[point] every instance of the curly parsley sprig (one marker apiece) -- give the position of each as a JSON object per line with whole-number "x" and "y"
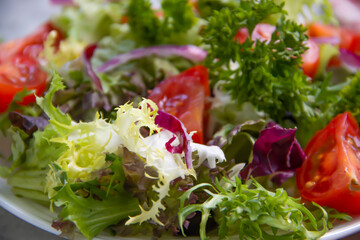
{"x": 266, "y": 74}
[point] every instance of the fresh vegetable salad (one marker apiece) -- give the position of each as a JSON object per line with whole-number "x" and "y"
{"x": 205, "y": 118}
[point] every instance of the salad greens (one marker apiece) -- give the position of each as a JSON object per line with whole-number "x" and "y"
{"x": 148, "y": 30}
{"x": 106, "y": 158}
{"x": 268, "y": 75}
{"x": 255, "y": 213}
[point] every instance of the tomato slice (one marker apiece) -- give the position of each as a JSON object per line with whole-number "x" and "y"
{"x": 30, "y": 45}
{"x": 19, "y": 67}
{"x": 16, "y": 74}
{"x": 311, "y": 59}
{"x": 241, "y": 35}
{"x": 184, "y": 96}
{"x": 330, "y": 174}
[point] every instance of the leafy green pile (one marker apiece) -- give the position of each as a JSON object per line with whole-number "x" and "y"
{"x": 147, "y": 29}
{"x": 105, "y": 163}
{"x": 268, "y": 74}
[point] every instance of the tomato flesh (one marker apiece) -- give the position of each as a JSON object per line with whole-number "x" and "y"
{"x": 311, "y": 59}
{"x": 241, "y": 35}
{"x": 184, "y": 96}
{"x": 330, "y": 174}
{"x": 30, "y": 45}
{"x": 19, "y": 67}
{"x": 15, "y": 75}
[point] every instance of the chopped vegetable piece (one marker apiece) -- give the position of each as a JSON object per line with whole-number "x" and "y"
{"x": 277, "y": 153}
{"x": 174, "y": 125}
{"x": 330, "y": 174}
{"x": 18, "y": 73}
{"x": 87, "y": 54}
{"x": 190, "y": 52}
{"x": 184, "y": 96}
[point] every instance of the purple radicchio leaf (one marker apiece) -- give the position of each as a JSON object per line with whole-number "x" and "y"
{"x": 349, "y": 59}
{"x": 136, "y": 173}
{"x": 327, "y": 40}
{"x": 347, "y": 13}
{"x": 276, "y": 152}
{"x": 66, "y": 227}
{"x": 28, "y": 124}
{"x": 174, "y": 125}
{"x": 95, "y": 100}
{"x": 87, "y": 55}
{"x": 62, "y": 2}
{"x": 190, "y": 52}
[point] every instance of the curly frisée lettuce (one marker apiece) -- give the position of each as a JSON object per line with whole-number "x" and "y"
{"x": 88, "y": 145}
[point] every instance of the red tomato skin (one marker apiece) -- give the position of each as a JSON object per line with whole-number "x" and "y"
{"x": 311, "y": 59}
{"x": 184, "y": 96}
{"x": 332, "y": 166}
{"x": 19, "y": 66}
{"x": 334, "y": 62}
{"x": 350, "y": 40}
{"x": 241, "y": 35}
{"x": 17, "y": 73}
{"x": 31, "y": 45}
{"x": 322, "y": 30}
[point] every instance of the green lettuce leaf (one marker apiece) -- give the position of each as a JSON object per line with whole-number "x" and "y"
{"x": 60, "y": 121}
{"x": 238, "y": 141}
{"x": 90, "y": 21}
{"x": 349, "y": 97}
{"x": 92, "y": 216}
{"x": 177, "y": 26}
{"x": 95, "y": 204}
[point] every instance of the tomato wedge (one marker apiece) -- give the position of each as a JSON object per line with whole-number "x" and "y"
{"x": 241, "y": 35}
{"x": 19, "y": 67}
{"x": 184, "y": 96}
{"x": 20, "y": 72}
{"x": 330, "y": 174}
{"x": 311, "y": 59}
{"x": 30, "y": 45}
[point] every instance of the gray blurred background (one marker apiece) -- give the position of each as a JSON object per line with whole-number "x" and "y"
{"x": 20, "y": 17}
